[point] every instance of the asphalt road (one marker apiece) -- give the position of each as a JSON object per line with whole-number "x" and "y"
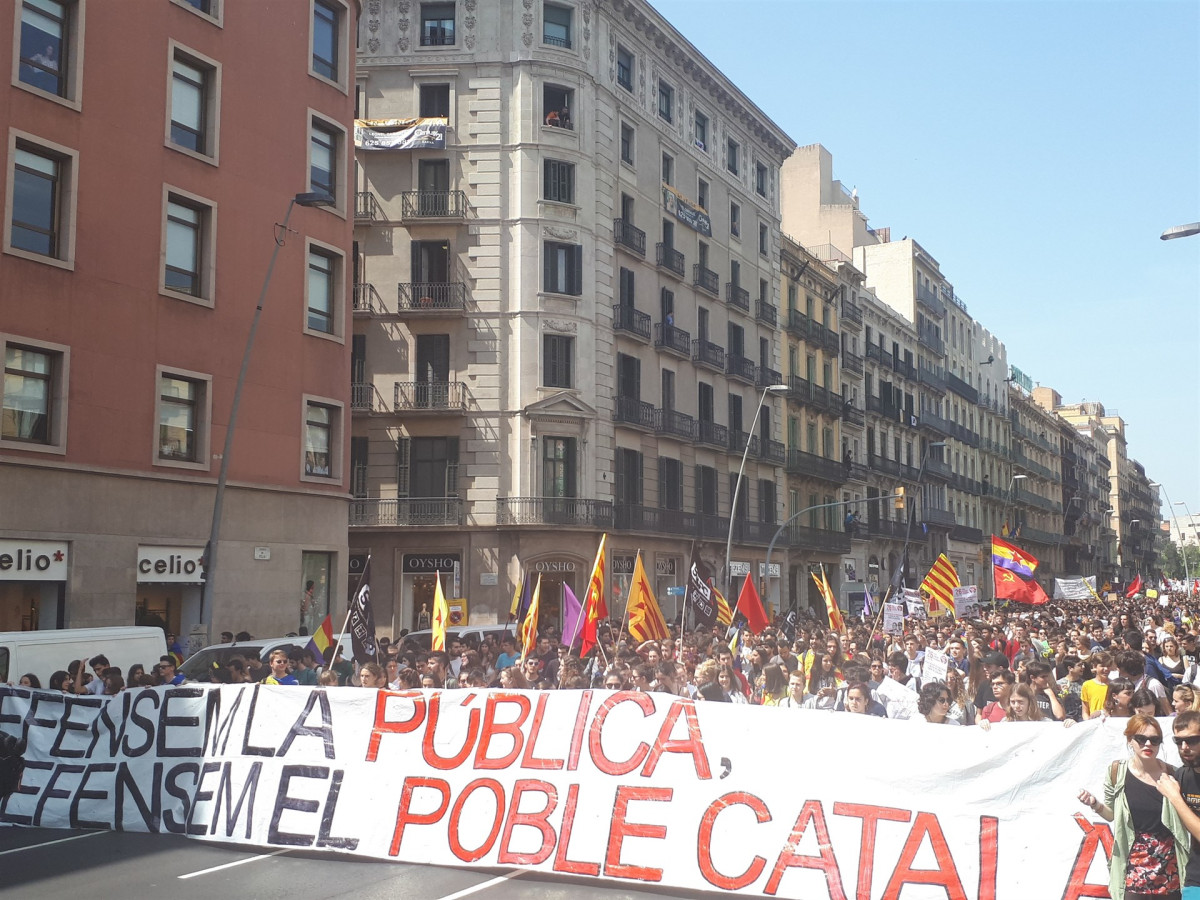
{"x": 52, "y": 864}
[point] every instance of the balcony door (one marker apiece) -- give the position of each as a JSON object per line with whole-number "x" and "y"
{"x": 433, "y": 371}
{"x": 433, "y": 182}
{"x": 430, "y": 271}
{"x": 559, "y": 483}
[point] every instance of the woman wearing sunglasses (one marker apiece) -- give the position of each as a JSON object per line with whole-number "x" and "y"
{"x": 1150, "y": 842}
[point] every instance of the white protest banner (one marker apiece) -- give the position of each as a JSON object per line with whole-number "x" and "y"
{"x": 893, "y": 618}
{"x": 623, "y": 787}
{"x": 1075, "y": 588}
{"x": 966, "y": 601}
{"x": 934, "y": 668}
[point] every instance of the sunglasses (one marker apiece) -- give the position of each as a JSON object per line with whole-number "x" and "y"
{"x": 1191, "y": 740}
{"x": 613, "y": 685}
{"x": 943, "y": 699}
{"x": 1143, "y": 739}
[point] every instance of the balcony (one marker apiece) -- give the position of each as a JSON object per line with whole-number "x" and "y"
{"x": 753, "y": 531}
{"x": 766, "y": 312}
{"x": 706, "y": 353}
{"x": 670, "y": 259}
{"x": 966, "y": 534}
{"x": 802, "y": 537}
{"x": 562, "y": 511}
{"x": 632, "y": 411}
{"x": 707, "y": 280}
{"x": 772, "y": 451}
{"x": 884, "y": 465}
{"x": 407, "y": 511}
{"x": 928, "y": 337}
{"x": 740, "y": 440}
{"x": 673, "y": 423}
{"x": 431, "y": 397}
{"x": 883, "y": 407}
{"x": 629, "y": 237}
{"x": 934, "y": 422}
{"x": 365, "y": 398}
{"x": 960, "y": 387}
{"x": 797, "y": 323}
{"x": 852, "y": 415}
{"x": 433, "y": 205}
{"x": 829, "y": 339}
{"x": 768, "y": 377}
{"x": 1023, "y": 497}
{"x": 675, "y": 340}
{"x": 935, "y": 468}
{"x": 931, "y": 301}
{"x": 852, "y": 315}
{"x": 1037, "y": 536}
{"x": 931, "y": 377}
{"x": 852, "y": 362}
{"x": 740, "y": 367}
{"x": 737, "y": 296}
{"x": 434, "y": 298}
{"x": 931, "y": 515}
{"x": 367, "y": 301}
{"x": 881, "y": 356}
{"x": 810, "y": 464}
{"x": 803, "y": 391}
{"x": 367, "y": 208}
{"x": 712, "y": 434}
{"x": 964, "y": 434}
{"x": 654, "y": 520}
{"x": 631, "y": 321}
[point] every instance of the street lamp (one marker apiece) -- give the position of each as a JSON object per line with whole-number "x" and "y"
{"x": 1183, "y": 540}
{"x": 308, "y": 198}
{"x": 899, "y": 583}
{"x": 737, "y": 486}
{"x": 1187, "y": 578}
{"x": 1180, "y": 231}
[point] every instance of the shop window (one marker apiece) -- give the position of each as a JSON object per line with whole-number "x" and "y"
{"x": 316, "y": 584}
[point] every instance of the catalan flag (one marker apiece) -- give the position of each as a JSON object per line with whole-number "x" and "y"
{"x": 1006, "y": 556}
{"x": 836, "y": 622}
{"x": 941, "y": 582}
{"x": 724, "y": 612}
{"x": 529, "y": 626}
{"x": 646, "y": 621}
{"x": 594, "y": 607}
{"x": 322, "y": 641}
{"x": 441, "y": 615}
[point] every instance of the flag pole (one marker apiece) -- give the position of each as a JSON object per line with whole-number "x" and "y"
{"x": 350, "y": 609}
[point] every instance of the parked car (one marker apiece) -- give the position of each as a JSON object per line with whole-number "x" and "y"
{"x": 424, "y": 637}
{"x": 200, "y": 665}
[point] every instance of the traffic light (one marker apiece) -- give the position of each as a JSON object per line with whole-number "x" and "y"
{"x": 900, "y": 498}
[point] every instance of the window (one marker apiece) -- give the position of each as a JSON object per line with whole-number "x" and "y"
{"x": 558, "y": 467}
{"x": 183, "y": 271}
{"x": 701, "y": 131}
{"x": 322, "y": 160}
{"x": 731, "y": 156}
{"x": 735, "y": 220}
{"x": 326, "y": 39}
{"x": 316, "y": 587}
{"x": 322, "y": 440}
{"x": 629, "y": 478}
{"x": 666, "y": 100}
{"x": 193, "y": 115}
{"x": 181, "y": 416}
{"x": 706, "y": 490}
{"x": 209, "y": 8}
{"x": 766, "y": 501}
{"x": 624, "y": 68}
{"x": 437, "y": 24}
{"x": 702, "y": 194}
{"x": 670, "y": 483}
{"x": 556, "y": 26}
{"x": 626, "y": 295}
{"x": 559, "y": 181}
{"x": 34, "y": 396}
{"x": 323, "y": 270}
{"x": 557, "y": 102}
{"x": 47, "y": 38}
{"x": 764, "y": 239}
{"x": 629, "y": 377}
{"x": 41, "y": 198}
{"x": 760, "y": 179}
{"x": 627, "y": 143}
{"x": 558, "y": 365}
{"x": 563, "y": 268}
{"x": 434, "y": 101}
{"x": 668, "y": 169}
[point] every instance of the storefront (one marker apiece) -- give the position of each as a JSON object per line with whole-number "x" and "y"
{"x": 33, "y": 584}
{"x": 418, "y": 578}
{"x": 169, "y": 585}
{"x": 556, "y": 572}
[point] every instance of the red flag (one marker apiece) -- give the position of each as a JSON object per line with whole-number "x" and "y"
{"x": 1135, "y": 586}
{"x": 1010, "y": 586}
{"x": 750, "y": 606}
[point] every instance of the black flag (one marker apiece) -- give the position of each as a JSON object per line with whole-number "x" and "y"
{"x": 699, "y": 591}
{"x": 362, "y": 621}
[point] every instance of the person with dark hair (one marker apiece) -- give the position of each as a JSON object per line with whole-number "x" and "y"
{"x": 774, "y": 685}
{"x": 823, "y": 683}
{"x": 30, "y": 680}
{"x": 1002, "y": 687}
{"x": 1150, "y": 845}
{"x": 1045, "y": 691}
{"x": 1143, "y": 703}
{"x": 370, "y": 675}
{"x": 1120, "y": 698}
{"x": 98, "y": 663}
{"x": 933, "y": 703}
{"x": 858, "y": 700}
{"x": 1132, "y": 665}
{"x": 61, "y": 681}
{"x": 1184, "y": 794}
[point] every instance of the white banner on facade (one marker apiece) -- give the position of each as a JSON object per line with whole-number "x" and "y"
{"x": 1075, "y": 588}
{"x": 966, "y": 601}
{"x": 624, "y": 787}
{"x": 400, "y": 134}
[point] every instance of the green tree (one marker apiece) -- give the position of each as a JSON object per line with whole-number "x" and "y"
{"x": 1173, "y": 560}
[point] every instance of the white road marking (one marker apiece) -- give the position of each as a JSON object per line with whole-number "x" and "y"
{"x": 240, "y": 862}
{"x": 73, "y": 837}
{"x": 481, "y": 886}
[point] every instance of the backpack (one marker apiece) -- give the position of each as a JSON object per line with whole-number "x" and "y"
{"x": 1155, "y": 669}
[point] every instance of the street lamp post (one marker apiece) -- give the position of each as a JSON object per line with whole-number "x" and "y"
{"x": 1180, "y": 231}
{"x": 1183, "y": 540}
{"x": 1170, "y": 508}
{"x": 311, "y": 198}
{"x": 737, "y": 486}
{"x": 899, "y": 583}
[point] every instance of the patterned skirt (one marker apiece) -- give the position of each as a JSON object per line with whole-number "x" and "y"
{"x": 1152, "y": 867}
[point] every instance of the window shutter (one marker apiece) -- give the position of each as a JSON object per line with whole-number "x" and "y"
{"x": 452, "y": 467}
{"x": 577, "y": 273}
{"x": 662, "y": 482}
{"x": 403, "y": 452}
{"x": 548, "y": 252}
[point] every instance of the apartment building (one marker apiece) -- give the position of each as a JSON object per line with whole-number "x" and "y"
{"x": 566, "y": 307}
{"x": 1036, "y": 512}
{"x": 141, "y": 195}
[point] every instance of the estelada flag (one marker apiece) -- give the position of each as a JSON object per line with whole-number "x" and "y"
{"x": 646, "y": 622}
{"x": 832, "y": 610}
{"x": 529, "y": 626}
{"x": 594, "y": 607}
{"x": 322, "y": 641}
{"x": 724, "y": 612}
{"x": 941, "y": 582}
{"x": 749, "y": 604}
{"x": 441, "y": 615}
{"x": 1006, "y": 556}
{"x": 1010, "y": 587}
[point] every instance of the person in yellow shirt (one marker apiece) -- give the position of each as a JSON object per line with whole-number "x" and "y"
{"x": 1094, "y": 692}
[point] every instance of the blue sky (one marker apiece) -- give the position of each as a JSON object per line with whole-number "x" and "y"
{"x": 1037, "y": 150}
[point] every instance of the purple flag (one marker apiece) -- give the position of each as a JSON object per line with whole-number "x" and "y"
{"x": 572, "y": 618}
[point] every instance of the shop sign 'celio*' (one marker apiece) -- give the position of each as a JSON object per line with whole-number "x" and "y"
{"x": 33, "y": 560}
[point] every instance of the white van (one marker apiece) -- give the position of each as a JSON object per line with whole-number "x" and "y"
{"x": 199, "y": 666}
{"x": 43, "y": 653}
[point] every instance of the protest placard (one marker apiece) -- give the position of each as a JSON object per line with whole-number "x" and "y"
{"x": 935, "y": 666}
{"x": 966, "y": 601}
{"x": 893, "y": 618}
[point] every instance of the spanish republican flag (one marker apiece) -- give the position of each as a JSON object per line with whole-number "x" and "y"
{"x": 528, "y": 632}
{"x": 1014, "y": 559}
{"x": 832, "y": 610}
{"x": 322, "y": 641}
{"x": 594, "y": 607}
{"x": 646, "y": 621}
{"x": 941, "y": 582}
{"x": 441, "y": 615}
{"x": 1010, "y": 587}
